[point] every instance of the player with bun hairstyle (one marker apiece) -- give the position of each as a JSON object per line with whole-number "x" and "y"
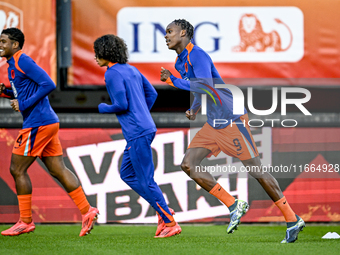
{"x": 199, "y": 76}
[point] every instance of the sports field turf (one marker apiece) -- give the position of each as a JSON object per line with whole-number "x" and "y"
{"x": 195, "y": 239}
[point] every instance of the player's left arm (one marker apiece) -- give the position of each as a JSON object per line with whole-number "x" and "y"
{"x": 149, "y": 91}
{"x": 40, "y": 77}
{"x": 201, "y": 64}
{"x": 5, "y": 92}
{"x": 196, "y": 105}
{"x": 116, "y": 89}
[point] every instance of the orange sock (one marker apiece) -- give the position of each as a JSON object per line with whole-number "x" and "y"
{"x": 171, "y": 224}
{"x": 287, "y": 212}
{"x": 80, "y": 200}
{"x": 25, "y": 208}
{"x": 218, "y": 192}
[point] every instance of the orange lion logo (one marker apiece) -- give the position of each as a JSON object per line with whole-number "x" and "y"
{"x": 254, "y": 39}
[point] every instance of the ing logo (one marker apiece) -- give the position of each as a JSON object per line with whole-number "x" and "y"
{"x": 10, "y": 16}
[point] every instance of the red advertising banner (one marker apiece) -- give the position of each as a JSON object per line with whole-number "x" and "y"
{"x": 36, "y": 18}
{"x": 304, "y": 161}
{"x": 262, "y": 39}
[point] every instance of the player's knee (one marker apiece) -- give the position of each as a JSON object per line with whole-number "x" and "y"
{"x": 186, "y": 166}
{"x": 15, "y": 171}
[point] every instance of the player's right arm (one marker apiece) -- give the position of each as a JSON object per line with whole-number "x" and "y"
{"x": 201, "y": 64}
{"x": 190, "y": 113}
{"x": 5, "y": 91}
{"x": 171, "y": 80}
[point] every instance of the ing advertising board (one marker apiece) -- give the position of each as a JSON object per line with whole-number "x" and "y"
{"x": 263, "y": 40}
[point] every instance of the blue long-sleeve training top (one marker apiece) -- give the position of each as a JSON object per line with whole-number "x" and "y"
{"x": 132, "y": 97}
{"x": 199, "y": 75}
{"x": 30, "y": 86}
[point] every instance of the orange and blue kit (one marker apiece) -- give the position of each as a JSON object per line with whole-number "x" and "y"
{"x": 40, "y": 142}
{"x": 132, "y": 97}
{"x": 30, "y": 86}
{"x": 199, "y": 75}
{"x": 235, "y": 140}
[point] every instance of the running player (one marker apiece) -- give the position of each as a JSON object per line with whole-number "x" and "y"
{"x": 39, "y": 136}
{"x": 235, "y": 140}
{"x": 132, "y": 97}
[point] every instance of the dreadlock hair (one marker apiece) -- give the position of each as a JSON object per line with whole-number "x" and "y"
{"x": 185, "y": 25}
{"x": 15, "y": 34}
{"x": 112, "y": 48}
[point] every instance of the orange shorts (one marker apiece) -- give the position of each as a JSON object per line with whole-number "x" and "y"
{"x": 234, "y": 140}
{"x": 40, "y": 142}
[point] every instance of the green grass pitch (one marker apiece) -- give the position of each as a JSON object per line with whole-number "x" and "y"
{"x": 195, "y": 239}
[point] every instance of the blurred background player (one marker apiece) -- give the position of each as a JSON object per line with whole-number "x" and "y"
{"x": 39, "y": 134}
{"x": 132, "y": 98}
{"x": 235, "y": 140}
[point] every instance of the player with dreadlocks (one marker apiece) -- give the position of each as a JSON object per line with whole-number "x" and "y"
{"x": 199, "y": 76}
